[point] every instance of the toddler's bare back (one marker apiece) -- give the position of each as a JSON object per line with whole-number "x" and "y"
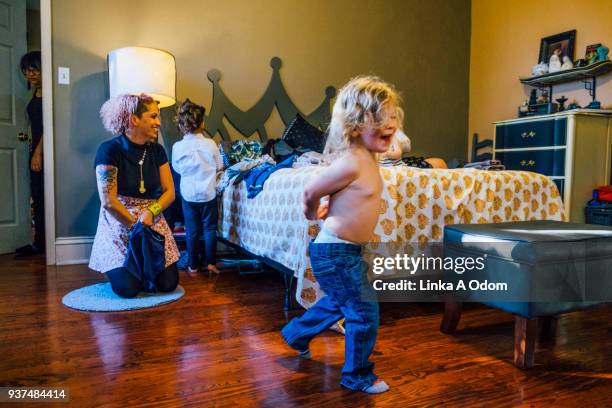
{"x": 354, "y": 210}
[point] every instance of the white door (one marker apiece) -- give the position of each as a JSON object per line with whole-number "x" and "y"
{"x": 15, "y": 224}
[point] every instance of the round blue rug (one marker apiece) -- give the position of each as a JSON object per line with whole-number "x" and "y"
{"x": 101, "y": 298}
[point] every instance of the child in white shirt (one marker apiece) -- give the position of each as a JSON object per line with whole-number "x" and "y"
{"x": 197, "y": 159}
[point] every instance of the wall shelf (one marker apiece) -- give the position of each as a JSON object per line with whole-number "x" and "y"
{"x": 588, "y": 75}
{"x": 568, "y": 75}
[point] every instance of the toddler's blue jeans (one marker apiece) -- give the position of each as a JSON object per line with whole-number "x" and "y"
{"x": 341, "y": 273}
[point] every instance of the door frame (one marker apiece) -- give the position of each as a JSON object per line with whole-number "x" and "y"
{"x": 48, "y": 139}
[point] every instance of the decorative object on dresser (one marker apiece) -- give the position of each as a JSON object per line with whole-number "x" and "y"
{"x": 561, "y": 101}
{"x": 573, "y": 148}
{"x": 596, "y": 53}
{"x": 533, "y": 97}
{"x": 553, "y": 48}
{"x": 523, "y": 109}
{"x": 602, "y": 53}
{"x": 567, "y": 63}
{"x": 590, "y": 54}
{"x": 580, "y": 63}
{"x": 554, "y": 64}
{"x": 540, "y": 69}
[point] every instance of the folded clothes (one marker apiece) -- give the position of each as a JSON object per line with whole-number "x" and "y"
{"x": 240, "y": 167}
{"x": 495, "y": 167}
{"x": 309, "y": 159}
{"x": 483, "y": 163}
{"x": 256, "y": 177}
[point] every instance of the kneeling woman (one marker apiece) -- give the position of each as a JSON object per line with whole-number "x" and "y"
{"x": 134, "y": 184}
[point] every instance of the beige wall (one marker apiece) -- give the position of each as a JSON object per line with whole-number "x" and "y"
{"x": 505, "y": 45}
{"x": 420, "y": 46}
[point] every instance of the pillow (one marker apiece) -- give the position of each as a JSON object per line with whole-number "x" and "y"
{"x": 301, "y": 134}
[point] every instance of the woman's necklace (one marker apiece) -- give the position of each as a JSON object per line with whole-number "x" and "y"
{"x": 142, "y": 188}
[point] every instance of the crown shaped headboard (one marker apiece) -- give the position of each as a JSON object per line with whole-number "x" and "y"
{"x": 254, "y": 119}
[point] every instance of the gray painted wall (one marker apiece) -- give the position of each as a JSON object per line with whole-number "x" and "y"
{"x": 420, "y": 46}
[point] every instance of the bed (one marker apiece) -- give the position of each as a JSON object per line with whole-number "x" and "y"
{"x": 416, "y": 203}
{"x": 415, "y": 206}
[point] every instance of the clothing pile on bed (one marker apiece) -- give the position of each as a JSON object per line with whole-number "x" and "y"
{"x": 300, "y": 145}
{"x": 486, "y": 165}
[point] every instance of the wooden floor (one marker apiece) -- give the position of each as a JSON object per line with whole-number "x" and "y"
{"x": 220, "y": 345}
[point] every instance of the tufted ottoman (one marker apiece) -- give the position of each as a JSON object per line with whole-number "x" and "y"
{"x": 548, "y": 268}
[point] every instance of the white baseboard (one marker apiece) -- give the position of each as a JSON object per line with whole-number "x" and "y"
{"x": 77, "y": 250}
{"x": 73, "y": 250}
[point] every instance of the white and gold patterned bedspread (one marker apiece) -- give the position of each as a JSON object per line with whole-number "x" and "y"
{"x": 416, "y": 205}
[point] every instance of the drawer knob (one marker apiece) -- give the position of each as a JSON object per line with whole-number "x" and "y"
{"x": 529, "y": 134}
{"x": 527, "y": 163}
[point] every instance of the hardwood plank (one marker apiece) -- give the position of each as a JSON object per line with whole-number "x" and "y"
{"x": 220, "y": 345}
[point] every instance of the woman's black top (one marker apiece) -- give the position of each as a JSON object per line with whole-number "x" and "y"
{"x": 123, "y": 154}
{"x": 35, "y": 113}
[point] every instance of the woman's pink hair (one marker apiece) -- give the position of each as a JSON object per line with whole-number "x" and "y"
{"x": 116, "y": 112}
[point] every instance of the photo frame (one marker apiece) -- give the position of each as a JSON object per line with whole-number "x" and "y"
{"x": 564, "y": 41}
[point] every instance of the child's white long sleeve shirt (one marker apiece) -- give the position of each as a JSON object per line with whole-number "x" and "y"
{"x": 197, "y": 160}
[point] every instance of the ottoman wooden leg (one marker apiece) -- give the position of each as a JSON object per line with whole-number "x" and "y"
{"x": 525, "y": 332}
{"x": 452, "y": 314}
{"x": 547, "y": 326}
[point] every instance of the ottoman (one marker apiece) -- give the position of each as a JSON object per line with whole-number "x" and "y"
{"x": 535, "y": 270}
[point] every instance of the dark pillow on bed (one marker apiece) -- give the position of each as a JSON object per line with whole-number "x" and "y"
{"x": 301, "y": 134}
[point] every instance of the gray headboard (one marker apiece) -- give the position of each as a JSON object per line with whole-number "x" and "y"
{"x": 254, "y": 119}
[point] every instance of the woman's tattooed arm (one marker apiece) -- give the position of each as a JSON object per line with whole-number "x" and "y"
{"x": 106, "y": 177}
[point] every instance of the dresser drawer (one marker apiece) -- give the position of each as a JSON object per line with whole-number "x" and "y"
{"x": 547, "y": 162}
{"x": 539, "y": 133}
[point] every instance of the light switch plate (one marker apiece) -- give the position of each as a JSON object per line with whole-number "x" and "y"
{"x": 63, "y": 76}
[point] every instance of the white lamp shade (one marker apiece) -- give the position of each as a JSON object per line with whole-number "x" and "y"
{"x": 136, "y": 70}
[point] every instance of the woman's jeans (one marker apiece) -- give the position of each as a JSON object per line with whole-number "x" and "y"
{"x": 342, "y": 274}
{"x": 201, "y": 218}
{"x": 125, "y": 285}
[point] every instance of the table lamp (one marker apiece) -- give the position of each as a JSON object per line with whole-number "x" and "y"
{"x": 136, "y": 70}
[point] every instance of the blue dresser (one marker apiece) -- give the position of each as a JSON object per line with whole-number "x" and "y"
{"x": 573, "y": 148}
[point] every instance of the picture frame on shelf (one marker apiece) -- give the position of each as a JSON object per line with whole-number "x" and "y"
{"x": 564, "y": 42}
